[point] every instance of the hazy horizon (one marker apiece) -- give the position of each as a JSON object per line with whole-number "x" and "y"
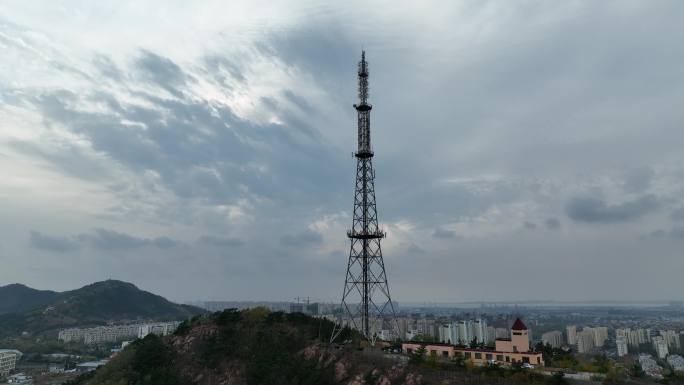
{"x": 202, "y": 150}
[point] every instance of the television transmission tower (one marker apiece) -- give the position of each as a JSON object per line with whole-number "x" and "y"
{"x": 366, "y": 302}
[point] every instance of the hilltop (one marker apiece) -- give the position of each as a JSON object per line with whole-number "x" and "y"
{"x": 258, "y": 347}
{"x": 18, "y": 298}
{"x": 38, "y": 311}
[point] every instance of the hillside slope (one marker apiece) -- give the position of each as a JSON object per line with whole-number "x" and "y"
{"x": 257, "y": 347}
{"x": 231, "y": 347}
{"x": 94, "y": 304}
{"x": 17, "y": 298}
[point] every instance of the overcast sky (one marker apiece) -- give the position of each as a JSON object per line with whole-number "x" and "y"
{"x": 202, "y": 150}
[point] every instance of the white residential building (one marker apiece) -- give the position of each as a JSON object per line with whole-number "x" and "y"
{"x": 599, "y": 333}
{"x": 634, "y": 337}
{"x": 446, "y": 333}
{"x": 160, "y": 329}
{"x": 621, "y": 342}
{"x": 660, "y": 346}
{"x": 480, "y": 329}
{"x": 8, "y": 360}
{"x": 412, "y": 334}
{"x": 585, "y": 341}
{"x": 571, "y": 332}
{"x": 114, "y": 333}
{"x": 465, "y": 332}
{"x": 672, "y": 339}
{"x": 553, "y": 338}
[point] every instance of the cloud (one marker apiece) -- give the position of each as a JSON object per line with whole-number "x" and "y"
{"x": 530, "y": 225}
{"x": 443, "y": 233}
{"x": 112, "y": 240}
{"x": 639, "y": 179}
{"x": 165, "y": 242}
{"x": 220, "y": 241}
{"x": 52, "y": 243}
{"x": 414, "y": 249}
{"x": 678, "y": 214}
{"x": 677, "y": 232}
{"x": 161, "y": 71}
{"x": 245, "y": 127}
{"x": 552, "y": 223}
{"x": 105, "y": 239}
{"x": 594, "y": 210}
{"x": 305, "y": 238}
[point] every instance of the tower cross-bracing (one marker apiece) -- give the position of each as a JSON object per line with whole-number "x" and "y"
{"x": 366, "y": 302}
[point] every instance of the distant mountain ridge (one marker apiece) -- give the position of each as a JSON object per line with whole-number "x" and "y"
{"x": 18, "y": 298}
{"x": 26, "y": 309}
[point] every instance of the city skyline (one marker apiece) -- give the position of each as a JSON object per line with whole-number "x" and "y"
{"x": 202, "y": 151}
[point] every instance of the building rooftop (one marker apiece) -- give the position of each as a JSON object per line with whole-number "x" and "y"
{"x": 518, "y": 325}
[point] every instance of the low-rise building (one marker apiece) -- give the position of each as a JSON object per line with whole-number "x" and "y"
{"x": 677, "y": 362}
{"x": 650, "y": 366}
{"x": 90, "y": 365}
{"x": 115, "y": 333}
{"x": 515, "y": 349}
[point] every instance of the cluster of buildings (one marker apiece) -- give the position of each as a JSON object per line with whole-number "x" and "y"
{"x": 588, "y": 339}
{"x": 585, "y": 340}
{"x": 467, "y": 332}
{"x": 114, "y": 333}
{"x": 457, "y": 332}
{"x": 507, "y": 350}
{"x": 663, "y": 342}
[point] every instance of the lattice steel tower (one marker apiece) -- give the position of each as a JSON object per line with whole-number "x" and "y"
{"x": 366, "y": 302}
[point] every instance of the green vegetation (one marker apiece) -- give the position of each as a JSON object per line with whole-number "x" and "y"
{"x": 268, "y": 343}
{"x": 91, "y": 305}
{"x": 17, "y": 298}
{"x": 149, "y": 361}
{"x": 268, "y": 346}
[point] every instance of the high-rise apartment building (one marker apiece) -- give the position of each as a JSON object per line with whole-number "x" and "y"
{"x": 600, "y": 335}
{"x": 571, "y": 332}
{"x": 660, "y": 346}
{"x": 480, "y": 330}
{"x": 634, "y": 337}
{"x": 553, "y": 338}
{"x": 585, "y": 341}
{"x": 672, "y": 339}
{"x": 621, "y": 343}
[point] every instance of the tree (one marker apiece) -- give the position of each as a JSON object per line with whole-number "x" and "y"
{"x": 615, "y": 376}
{"x": 418, "y": 356}
{"x": 602, "y": 363}
{"x": 636, "y": 371}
